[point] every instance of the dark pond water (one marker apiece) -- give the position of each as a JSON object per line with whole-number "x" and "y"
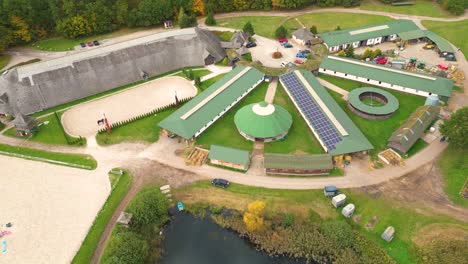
{"x": 194, "y": 240}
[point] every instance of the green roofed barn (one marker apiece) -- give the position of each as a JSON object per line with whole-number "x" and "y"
{"x": 263, "y": 121}
{"x": 198, "y": 114}
{"x": 229, "y": 157}
{"x": 298, "y": 164}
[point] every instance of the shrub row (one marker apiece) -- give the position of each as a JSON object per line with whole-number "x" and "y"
{"x": 139, "y": 117}
{"x": 70, "y": 141}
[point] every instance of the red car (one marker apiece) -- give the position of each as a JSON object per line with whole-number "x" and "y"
{"x": 298, "y": 61}
{"x": 381, "y": 60}
{"x": 281, "y": 40}
{"x": 90, "y": 44}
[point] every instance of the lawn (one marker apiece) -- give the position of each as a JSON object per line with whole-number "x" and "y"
{"x": 223, "y": 35}
{"x": 263, "y": 25}
{"x": 420, "y": 8}
{"x": 329, "y": 21}
{"x": 377, "y": 131}
{"x": 453, "y": 166}
{"x": 56, "y": 158}
{"x": 405, "y": 219}
{"x": 4, "y": 60}
{"x": 418, "y": 146}
{"x": 86, "y": 251}
{"x": 145, "y": 129}
{"x": 299, "y": 139}
{"x": 63, "y": 44}
{"x": 224, "y": 131}
{"x": 454, "y": 32}
{"x": 50, "y": 133}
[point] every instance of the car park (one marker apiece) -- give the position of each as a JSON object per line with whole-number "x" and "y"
{"x": 96, "y": 43}
{"x": 300, "y": 55}
{"x": 251, "y": 45}
{"x": 220, "y": 182}
{"x": 83, "y": 45}
{"x": 90, "y": 44}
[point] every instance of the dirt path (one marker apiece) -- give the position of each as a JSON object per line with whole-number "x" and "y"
{"x": 422, "y": 188}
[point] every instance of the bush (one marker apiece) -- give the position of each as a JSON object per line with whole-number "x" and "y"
{"x": 342, "y": 53}
{"x": 210, "y": 20}
{"x": 185, "y": 20}
{"x": 247, "y": 57}
{"x": 313, "y": 29}
{"x": 281, "y": 32}
{"x": 444, "y": 252}
{"x": 126, "y": 247}
{"x": 249, "y": 29}
{"x": 288, "y": 220}
{"x": 149, "y": 207}
{"x": 339, "y": 231}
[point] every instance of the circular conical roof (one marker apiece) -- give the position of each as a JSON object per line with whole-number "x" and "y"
{"x": 263, "y": 120}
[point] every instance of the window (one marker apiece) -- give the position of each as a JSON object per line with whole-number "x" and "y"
{"x": 324, "y": 70}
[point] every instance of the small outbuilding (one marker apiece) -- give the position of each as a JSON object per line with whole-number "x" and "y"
{"x": 25, "y": 125}
{"x": 348, "y": 210}
{"x": 298, "y": 164}
{"x": 330, "y": 191}
{"x": 229, "y": 157}
{"x": 304, "y": 37}
{"x": 263, "y": 122}
{"x": 388, "y": 234}
{"x": 338, "y": 200}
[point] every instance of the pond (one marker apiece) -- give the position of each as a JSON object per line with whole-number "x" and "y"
{"x": 200, "y": 240}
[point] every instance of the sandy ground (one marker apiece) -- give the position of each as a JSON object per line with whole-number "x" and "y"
{"x": 51, "y": 208}
{"x": 82, "y": 119}
{"x": 265, "y": 48}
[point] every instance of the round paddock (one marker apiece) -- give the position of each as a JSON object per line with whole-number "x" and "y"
{"x": 82, "y": 120}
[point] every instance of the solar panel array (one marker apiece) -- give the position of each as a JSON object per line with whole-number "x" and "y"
{"x": 311, "y": 110}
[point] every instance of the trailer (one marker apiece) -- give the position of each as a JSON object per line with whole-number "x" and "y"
{"x": 330, "y": 191}
{"x": 338, "y": 200}
{"x": 348, "y": 210}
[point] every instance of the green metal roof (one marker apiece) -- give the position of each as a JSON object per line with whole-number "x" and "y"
{"x": 442, "y": 44}
{"x": 263, "y": 126}
{"x": 298, "y": 161}
{"x": 437, "y": 85}
{"x": 188, "y": 127}
{"x": 413, "y": 34}
{"x": 351, "y": 35}
{"x": 390, "y": 107}
{"x": 231, "y": 155}
{"x": 355, "y": 141}
{"x": 413, "y": 128}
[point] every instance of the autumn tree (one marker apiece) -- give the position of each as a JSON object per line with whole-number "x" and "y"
{"x": 456, "y": 128}
{"x": 253, "y": 217}
{"x": 20, "y": 31}
{"x": 198, "y": 7}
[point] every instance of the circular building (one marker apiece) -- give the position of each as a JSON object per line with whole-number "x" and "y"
{"x": 263, "y": 121}
{"x": 372, "y": 103}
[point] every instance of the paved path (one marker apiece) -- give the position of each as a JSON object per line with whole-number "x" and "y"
{"x": 333, "y": 87}
{"x": 215, "y": 71}
{"x": 271, "y": 91}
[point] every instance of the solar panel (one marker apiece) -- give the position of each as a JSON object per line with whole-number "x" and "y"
{"x": 311, "y": 110}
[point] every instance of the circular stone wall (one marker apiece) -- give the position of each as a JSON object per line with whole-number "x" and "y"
{"x": 384, "y": 103}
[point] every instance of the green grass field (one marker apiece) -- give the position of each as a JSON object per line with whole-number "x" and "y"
{"x": 299, "y": 139}
{"x": 224, "y": 131}
{"x": 454, "y": 32}
{"x": 145, "y": 129}
{"x": 420, "y": 8}
{"x": 263, "y": 25}
{"x": 52, "y": 157}
{"x": 453, "y": 166}
{"x": 86, "y": 251}
{"x": 329, "y": 21}
{"x": 418, "y": 146}
{"x": 49, "y": 134}
{"x": 63, "y": 44}
{"x": 405, "y": 219}
{"x": 4, "y": 60}
{"x": 377, "y": 131}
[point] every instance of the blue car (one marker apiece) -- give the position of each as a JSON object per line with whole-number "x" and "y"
{"x": 300, "y": 55}
{"x": 287, "y": 45}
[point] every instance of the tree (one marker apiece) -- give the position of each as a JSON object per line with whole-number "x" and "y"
{"x": 149, "y": 207}
{"x": 74, "y": 27}
{"x": 377, "y": 53}
{"x": 367, "y": 54}
{"x": 249, "y": 29}
{"x": 126, "y": 247}
{"x": 455, "y": 7}
{"x": 185, "y": 21}
{"x": 349, "y": 51}
{"x": 281, "y": 32}
{"x": 337, "y": 28}
{"x": 253, "y": 217}
{"x": 210, "y": 20}
{"x": 313, "y": 29}
{"x": 456, "y": 128}
{"x": 198, "y": 7}
{"x": 20, "y": 31}
{"x": 121, "y": 12}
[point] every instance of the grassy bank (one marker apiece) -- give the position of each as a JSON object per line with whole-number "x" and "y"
{"x": 452, "y": 31}
{"x": 299, "y": 139}
{"x": 453, "y": 166}
{"x": 56, "y": 158}
{"x": 420, "y": 8}
{"x": 120, "y": 188}
{"x": 224, "y": 131}
{"x": 4, "y": 60}
{"x": 311, "y": 204}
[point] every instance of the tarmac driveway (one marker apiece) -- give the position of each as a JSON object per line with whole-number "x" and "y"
{"x": 265, "y": 48}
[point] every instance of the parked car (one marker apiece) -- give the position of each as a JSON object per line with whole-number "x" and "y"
{"x": 281, "y": 40}
{"x": 429, "y": 46}
{"x": 83, "y": 45}
{"x": 90, "y": 44}
{"x": 288, "y": 45}
{"x": 381, "y": 60}
{"x": 283, "y": 64}
{"x": 299, "y": 61}
{"x": 220, "y": 182}
{"x": 251, "y": 45}
{"x": 304, "y": 51}
{"x": 300, "y": 55}
{"x": 236, "y": 59}
{"x": 96, "y": 43}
